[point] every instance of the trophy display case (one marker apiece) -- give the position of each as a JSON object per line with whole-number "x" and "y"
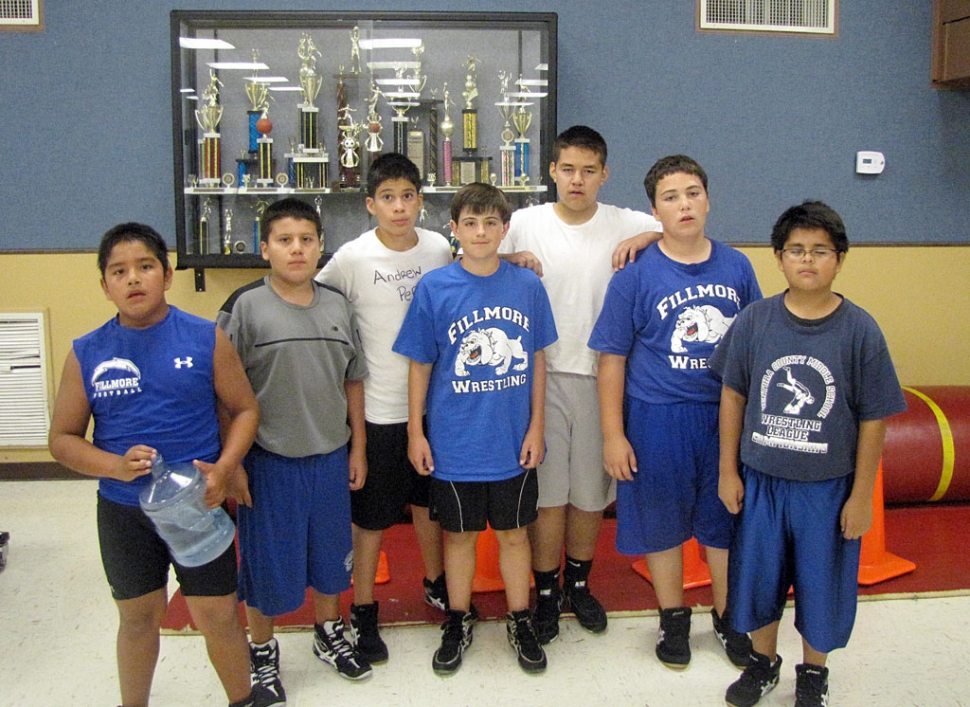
{"x": 273, "y": 104}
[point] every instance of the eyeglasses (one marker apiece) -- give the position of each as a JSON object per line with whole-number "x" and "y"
{"x": 816, "y": 253}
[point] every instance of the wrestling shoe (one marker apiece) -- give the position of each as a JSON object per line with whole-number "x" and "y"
{"x": 591, "y": 614}
{"x": 436, "y": 593}
{"x": 545, "y": 620}
{"x": 673, "y": 639}
{"x": 757, "y": 680}
{"x": 737, "y": 645}
{"x": 522, "y": 638}
{"x": 264, "y": 668}
{"x": 330, "y": 646}
{"x": 365, "y": 635}
{"x": 811, "y": 686}
{"x": 455, "y": 638}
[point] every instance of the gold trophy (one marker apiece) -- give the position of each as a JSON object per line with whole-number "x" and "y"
{"x": 310, "y": 159}
{"x": 208, "y": 117}
{"x": 258, "y": 94}
{"x": 469, "y": 115}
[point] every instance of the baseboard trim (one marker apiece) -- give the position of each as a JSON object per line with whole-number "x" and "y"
{"x": 36, "y": 471}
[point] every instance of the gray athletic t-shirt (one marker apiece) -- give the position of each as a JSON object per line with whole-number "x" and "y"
{"x": 297, "y": 359}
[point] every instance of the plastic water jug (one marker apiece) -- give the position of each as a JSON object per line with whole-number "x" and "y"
{"x": 175, "y": 501}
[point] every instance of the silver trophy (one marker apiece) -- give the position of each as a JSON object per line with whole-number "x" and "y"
{"x": 355, "y": 50}
{"x": 507, "y": 149}
{"x": 447, "y": 128}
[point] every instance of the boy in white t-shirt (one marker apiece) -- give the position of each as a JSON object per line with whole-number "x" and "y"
{"x": 575, "y": 244}
{"x": 378, "y": 272}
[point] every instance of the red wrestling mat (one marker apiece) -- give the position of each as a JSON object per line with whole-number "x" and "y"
{"x": 932, "y": 536}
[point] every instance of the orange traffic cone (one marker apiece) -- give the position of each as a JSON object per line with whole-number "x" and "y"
{"x": 383, "y": 573}
{"x": 488, "y": 575}
{"x": 696, "y": 571}
{"x": 875, "y": 563}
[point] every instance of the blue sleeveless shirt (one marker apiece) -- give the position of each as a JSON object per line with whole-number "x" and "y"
{"x": 151, "y": 386}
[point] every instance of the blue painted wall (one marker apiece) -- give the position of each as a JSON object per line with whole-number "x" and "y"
{"x": 86, "y": 143}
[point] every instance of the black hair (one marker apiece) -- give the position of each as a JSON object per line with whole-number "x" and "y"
{"x": 391, "y": 165}
{"x": 290, "y": 207}
{"x": 580, "y": 136}
{"x": 479, "y": 198}
{"x": 810, "y": 214}
{"x": 132, "y": 232}
{"x": 672, "y": 164}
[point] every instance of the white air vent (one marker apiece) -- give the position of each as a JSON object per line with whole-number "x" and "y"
{"x": 802, "y": 16}
{"x": 20, "y": 14}
{"x": 24, "y": 408}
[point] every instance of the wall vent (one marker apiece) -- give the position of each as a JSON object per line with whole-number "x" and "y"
{"x": 799, "y": 16}
{"x": 23, "y": 15}
{"x": 24, "y": 404}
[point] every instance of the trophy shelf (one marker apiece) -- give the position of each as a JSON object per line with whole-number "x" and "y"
{"x": 269, "y": 104}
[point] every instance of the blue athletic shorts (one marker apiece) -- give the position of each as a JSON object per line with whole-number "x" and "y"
{"x": 136, "y": 559}
{"x": 788, "y": 535}
{"x": 297, "y": 534}
{"x": 673, "y": 496}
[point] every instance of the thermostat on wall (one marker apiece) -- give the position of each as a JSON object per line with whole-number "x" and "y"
{"x": 869, "y": 162}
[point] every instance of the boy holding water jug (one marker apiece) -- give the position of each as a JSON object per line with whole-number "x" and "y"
{"x": 152, "y": 378}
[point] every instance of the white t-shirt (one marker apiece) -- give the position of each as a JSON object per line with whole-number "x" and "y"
{"x": 380, "y": 283}
{"x": 576, "y": 270}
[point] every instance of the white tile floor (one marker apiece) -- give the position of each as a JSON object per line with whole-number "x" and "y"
{"x": 57, "y": 625}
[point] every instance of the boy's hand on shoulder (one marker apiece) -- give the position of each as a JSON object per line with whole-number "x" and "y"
{"x": 626, "y": 251}
{"x": 730, "y": 489}
{"x": 525, "y": 259}
{"x": 136, "y": 462}
{"x": 856, "y": 518}
{"x": 619, "y": 459}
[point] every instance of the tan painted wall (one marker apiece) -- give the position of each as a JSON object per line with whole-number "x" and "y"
{"x": 919, "y": 296}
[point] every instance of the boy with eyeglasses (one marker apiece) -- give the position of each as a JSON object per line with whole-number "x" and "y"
{"x": 807, "y": 385}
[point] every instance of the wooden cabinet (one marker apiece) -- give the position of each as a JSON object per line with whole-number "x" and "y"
{"x": 951, "y": 44}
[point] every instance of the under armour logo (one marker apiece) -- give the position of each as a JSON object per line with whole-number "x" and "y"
{"x": 187, "y": 362}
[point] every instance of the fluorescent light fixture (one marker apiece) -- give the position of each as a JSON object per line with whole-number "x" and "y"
{"x": 542, "y": 67}
{"x": 204, "y": 43}
{"x": 238, "y": 65}
{"x": 401, "y": 43}
{"x": 191, "y": 98}
{"x": 402, "y": 94}
{"x": 393, "y": 65}
{"x": 527, "y": 94}
{"x": 285, "y": 88}
{"x": 186, "y": 90}
{"x": 266, "y": 79}
{"x": 397, "y": 82}
{"x": 532, "y": 82}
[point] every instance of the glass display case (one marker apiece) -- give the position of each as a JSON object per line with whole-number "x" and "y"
{"x": 273, "y": 104}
